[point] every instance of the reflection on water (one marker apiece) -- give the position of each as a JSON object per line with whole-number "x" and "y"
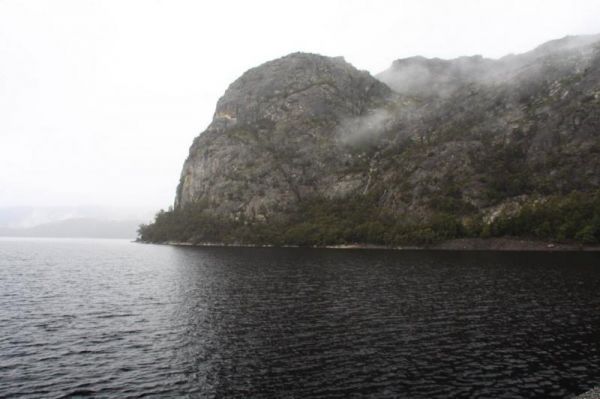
{"x": 110, "y": 318}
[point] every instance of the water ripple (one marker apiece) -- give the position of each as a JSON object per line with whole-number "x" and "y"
{"x": 104, "y": 318}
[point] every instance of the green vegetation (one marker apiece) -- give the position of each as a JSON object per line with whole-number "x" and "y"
{"x": 320, "y": 222}
{"x": 315, "y": 222}
{"x": 575, "y": 216}
{"x": 507, "y": 172}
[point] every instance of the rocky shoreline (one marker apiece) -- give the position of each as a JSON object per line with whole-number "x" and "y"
{"x": 511, "y": 244}
{"x": 460, "y": 244}
{"x": 592, "y": 394}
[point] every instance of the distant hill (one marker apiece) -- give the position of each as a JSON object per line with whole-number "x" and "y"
{"x": 77, "y": 228}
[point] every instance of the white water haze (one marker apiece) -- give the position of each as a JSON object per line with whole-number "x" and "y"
{"x": 100, "y": 101}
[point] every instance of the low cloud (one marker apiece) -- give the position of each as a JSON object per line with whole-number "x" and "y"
{"x": 363, "y": 129}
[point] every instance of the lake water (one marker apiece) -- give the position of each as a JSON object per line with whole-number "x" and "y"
{"x": 110, "y": 318}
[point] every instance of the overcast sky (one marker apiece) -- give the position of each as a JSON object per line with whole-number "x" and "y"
{"x": 100, "y": 100}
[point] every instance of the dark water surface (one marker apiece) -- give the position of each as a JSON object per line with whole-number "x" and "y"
{"x": 109, "y": 318}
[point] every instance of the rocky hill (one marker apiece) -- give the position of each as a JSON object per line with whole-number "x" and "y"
{"x": 306, "y": 149}
{"x": 274, "y": 138}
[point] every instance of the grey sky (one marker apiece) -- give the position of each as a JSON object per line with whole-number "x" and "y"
{"x": 100, "y": 100}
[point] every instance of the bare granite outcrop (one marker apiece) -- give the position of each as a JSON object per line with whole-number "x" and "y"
{"x": 470, "y": 135}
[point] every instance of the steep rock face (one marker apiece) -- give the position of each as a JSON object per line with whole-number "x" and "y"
{"x": 273, "y": 138}
{"x": 460, "y": 136}
{"x": 522, "y": 125}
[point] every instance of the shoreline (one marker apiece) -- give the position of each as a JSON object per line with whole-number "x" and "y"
{"x": 458, "y": 244}
{"x": 591, "y": 394}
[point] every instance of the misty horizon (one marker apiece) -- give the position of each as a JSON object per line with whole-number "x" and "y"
{"x": 105, "y": 118}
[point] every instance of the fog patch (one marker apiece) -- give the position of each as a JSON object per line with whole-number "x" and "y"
{"x": 366, "y": 128}
{"x": 435, "y": 77}
{"x": 406, "y": 78}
